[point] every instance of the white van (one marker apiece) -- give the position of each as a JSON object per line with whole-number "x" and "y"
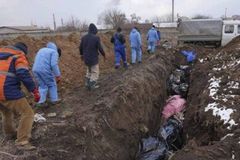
{"x": 231, "y": 29}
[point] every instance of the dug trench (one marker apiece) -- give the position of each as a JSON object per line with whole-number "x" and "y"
{"x": 108, "y": 123}
{"x": 104, "y": 124}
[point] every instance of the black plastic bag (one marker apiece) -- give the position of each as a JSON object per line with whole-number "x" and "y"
{"x": 172, "y": 133}
{"x": 177, "y": 89}
{"x": 152, "y": 148}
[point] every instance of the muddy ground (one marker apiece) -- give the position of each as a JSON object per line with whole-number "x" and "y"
{"x": 107, "y": 124}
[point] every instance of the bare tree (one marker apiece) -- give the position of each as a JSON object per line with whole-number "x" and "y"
{"x": 200, "y": 16}
{"x": 147, "y": 21}
{"x": 112, "y": 18}
{"x": 134, "y": 18}
{"x": 74, "y": 24}
{"x": 164, "y": 18}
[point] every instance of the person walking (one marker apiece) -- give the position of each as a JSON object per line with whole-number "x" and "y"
{"x": 136, "y": 44}
{"x": 152, "y": 38}
{"x": 89, "y": 49}
{"x": 159, "y": 37}
{"x": 47, "y": 73}
{"x": 14, "y": 70}
{"x": 118, "y": 40}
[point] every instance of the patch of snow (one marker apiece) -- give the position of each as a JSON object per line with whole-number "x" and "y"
{"x": 217, "y": 69}
{"x": 233, "y": 155}
{"x": 234, "y": 63}
{"x": 233, "y": 85}
{"x": 230, "y": 96}
{"x": 211, "y": 105}
{"x": 225, "y": 99}
{"x": 238, "y": 62}
{"x": 217, "y": 56}
{"x": 224, "y": 67}
{"x": 209, "y": 74}
{"x": 201, "y": 60}
{"x": 214, "y": 85}
{"x": 228, "y": 135}
{"x": 223, "y": 112}
{"x": 232, "y": 123}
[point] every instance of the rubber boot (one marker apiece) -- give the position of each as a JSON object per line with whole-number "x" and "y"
{"x": 87, "y": 81}
{"x": 125, "y": 65}
{"x": 116, "y": 67}
{"x": 25, "y": 146}
{"x": 92, "y": 85}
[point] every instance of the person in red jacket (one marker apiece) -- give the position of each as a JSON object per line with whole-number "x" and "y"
{"x": 14, "y": 70}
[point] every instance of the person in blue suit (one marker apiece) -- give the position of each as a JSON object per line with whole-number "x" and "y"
{"x": 118, "y": 40}
{"x": 190, "y": 55}
{"x": 136, "y": 44}
{"x": 152, "y": 38}
{"x": 47, "y": 73}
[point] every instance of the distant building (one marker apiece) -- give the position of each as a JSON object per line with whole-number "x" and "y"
{"x": 166, "y": 25}
{"x": 236, "y": 17}
{"x": 4, "y": 30}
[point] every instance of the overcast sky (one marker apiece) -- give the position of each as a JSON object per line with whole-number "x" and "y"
{"x": 23, "y": 12}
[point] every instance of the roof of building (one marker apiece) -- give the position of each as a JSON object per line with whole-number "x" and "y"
{"x": 166, "y": 25}
{"x": 24, "y": 28}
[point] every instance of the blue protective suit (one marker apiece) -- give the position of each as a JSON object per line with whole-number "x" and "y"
{"x": 159, "y": 35}
{"x": 45, "y": 69}
{"x": 190, "y": 55}
{"x": 135, "y": 43}
{"x": 119, "y": 49}
{"x": 152, "y": 38}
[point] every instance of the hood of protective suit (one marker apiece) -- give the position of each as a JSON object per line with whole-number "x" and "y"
{"x": 52, "y": 46}
{"x": 134, "y": 30}
{"x": 92, "y": 29}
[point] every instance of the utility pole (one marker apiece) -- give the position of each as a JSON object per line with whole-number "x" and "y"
{"x": 62, "y": 21}
{"x": 73, "y": 22}
{"x": 225, "y": 13}
{"x": 54, "y": 23}
{"x": 172, "y": 10}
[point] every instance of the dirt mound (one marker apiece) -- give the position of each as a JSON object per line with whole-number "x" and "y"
{"x": 106, "y": 123}
{"x": 212, "y": 119}
{"x": 71, "y": 66}
{"x": 233, "y": 44}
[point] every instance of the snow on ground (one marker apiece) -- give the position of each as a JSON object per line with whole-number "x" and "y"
{"x": 217, "y": 69}
{"x": 233, "y": 85}
{"x": 228, "y": 135}
{"x": 201, "y": 60}
{"x": 218, "y": 109}
{"x": 223, "y": 112}
{"x": 214, "y": 85}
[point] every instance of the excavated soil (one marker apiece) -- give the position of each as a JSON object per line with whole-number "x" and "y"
{"x": 103, "y": 124}
{"x": 107, "y": 124}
